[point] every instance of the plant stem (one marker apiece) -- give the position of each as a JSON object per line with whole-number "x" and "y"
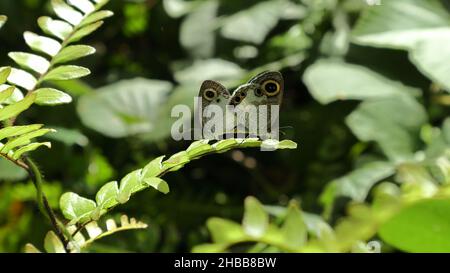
{"x": 44, "y": 206}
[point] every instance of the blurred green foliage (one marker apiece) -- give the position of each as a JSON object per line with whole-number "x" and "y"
{"x": 366, "y": 97}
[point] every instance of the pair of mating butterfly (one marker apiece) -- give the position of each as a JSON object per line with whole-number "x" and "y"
{"x": 265, "y": 89}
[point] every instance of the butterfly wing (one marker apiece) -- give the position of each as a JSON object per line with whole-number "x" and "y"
{"x": 266, "y": 88}
{"x": 212, "y": 93}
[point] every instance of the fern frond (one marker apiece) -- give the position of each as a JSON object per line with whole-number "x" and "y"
{"x": 48, "y": 61}
{"x": 80, "y": 210}
{"x": 93, "y": 233}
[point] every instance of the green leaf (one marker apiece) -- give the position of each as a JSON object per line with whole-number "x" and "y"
{"x": 42, "y": 44}
{"x": 294, "y": 228}
{"x": 431, "y": 57}
{"x": 14, "y": 97}
{"x": 22, "y": 78}
{"x": 85, "y": 31}
{"x": 29, "y": 148}
{"x": 6, "y": 94}
{"x": 50, "y": 96}
{"x": 4, "y": 74}
{"x": 66, "y": 72}
{"x": 224, "y": 231}
{"x": 75, "y": 207}
{"x": 256, "y": 219}
{"x": 195, "y": 35}
{"x": 394, "y": 123}
{"x": 52, "y": 244}
{"x": 154, "y": 168}
{"x": 177, "y": 8}
{"x": 402, "y": 23}
{"x": 157, "y": 183}
{"x": 198, "y": 148}
{"x": 31, "y": 61}
{"x": 13, "y": 131}
{"x": 214, "y": 69}
{"x": 130, "y": 184}
{"x": 96, "y": 16}
{"x": 357, "y": 184}
{"x": 417, "y": 26}
{"x": 422, "y": 227}
{"x": 24, "y": 139}
{"x": 253, "y": 25}
{"x": 176, "y": 161}
{"x": 57, "y": 28}
{"x": 71, "y": 53}
{"x": 106, "y": 196}
{"x": 85, "y": 6}
{"x": 17, "y": 108}
{"x": 68, "y": 136}
{"x": 128, "y": 107}
{"x": 29, "y": 248}
{"x": 66, "y": 12}
{"x": 3, "y": 20}
{"x": 329, "y": 81}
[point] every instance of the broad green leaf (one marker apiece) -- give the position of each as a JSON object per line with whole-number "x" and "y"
{"x": 394, "y": 123}
{"x": 357, "y": 184}
{"x": 329, "y": 81}
{"x": 74, "y": 52}
{"x": 52, "y": 244}
{"x": 431, "y": 57}
{"x": 422, "y": 227}
{"x": 13, "y": 131}
{"x": 42, "y": 44}
{"x": 50, "y": 96}
{"x": 225, "y": 231}
{"x": 256, "y": 219}
{"x": 154, "y": 168}
{"x": 66, "y": 12}
{"x": 57, "y": 28}
{"x": 85, "y": 31}
{"x": 414, "y": 25}
{"x": 31, "y": 61}
{"x": 68, "y": 136}
{"x": 96, "y": 16}
{"x": 10, "y": 171}
{"x": 130, "y": 184}
{"x": 6, "y": 94}
{"x": 3, "y": 20}
{"x": 29, "y": 148}
{"x": 24, "y": 139}
{"x": 294, "y": 228}
{"x": 66, "y": 72}
{"x": 85, "y": 6}
{"x": 402, "y": 23}
{"x": 196, "y": 36}
{"x": 22, "y": 78}
{"x": 106, "y": 196}
{"x": 213, "y": 69}
{"x": 4, "y": 74}
{"x": 75, "y": 207}
{"x": 17, "y": 108}
{"x": 157, "y": 183}
{"x": 209, "y": 248}
{"x": 177, "y": 8}
{"x": 128, "y": 107}
{"x": 253, "y": 25}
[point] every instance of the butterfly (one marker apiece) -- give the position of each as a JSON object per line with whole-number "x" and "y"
{"x": 266, "y": 89}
